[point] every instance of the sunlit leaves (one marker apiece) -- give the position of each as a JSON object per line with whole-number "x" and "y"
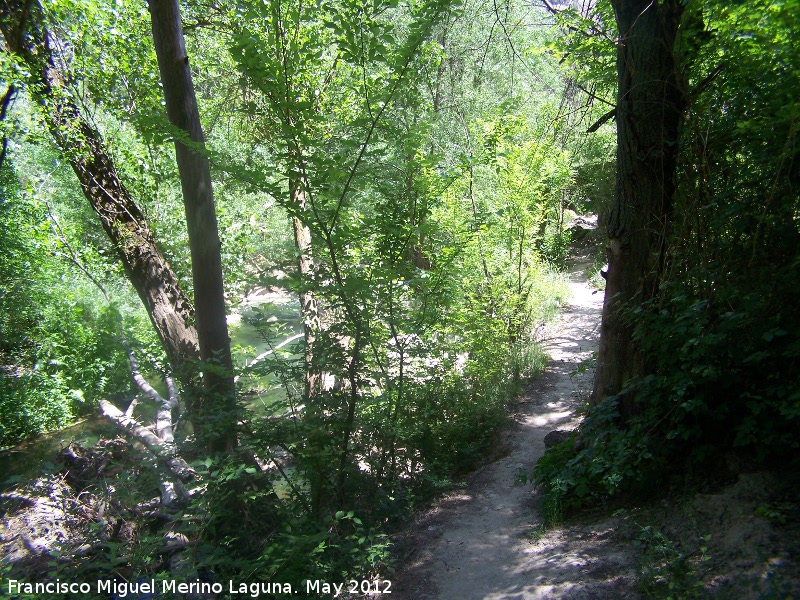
{"x": 588, "y": 46}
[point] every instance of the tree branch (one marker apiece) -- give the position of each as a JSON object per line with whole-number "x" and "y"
{"x": 264, "y": 355}
{"x": 701, "y": 87}
{"x": 161, "y": 449}
{"x": 4, "y": 104}
{"x": 602, "y": 120}
{"x": 594, "y": 96}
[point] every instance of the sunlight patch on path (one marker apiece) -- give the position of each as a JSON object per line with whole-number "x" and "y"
{"x": 490, "y": 545}
{"x": 549, "y": 418}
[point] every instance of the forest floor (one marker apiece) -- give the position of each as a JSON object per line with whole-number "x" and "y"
{"x": 488, "y": 540}
{"x": 736, "y": 539}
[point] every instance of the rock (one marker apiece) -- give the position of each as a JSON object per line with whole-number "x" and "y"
{"x": 556, "y": 437}
{"x": 579, "y": 233}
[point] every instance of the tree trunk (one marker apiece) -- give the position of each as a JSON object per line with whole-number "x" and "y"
{"x": 168, "y": 307}
{"x": 219, "y": 404}
{"x": 649, "y": 106}
{"x": 309, "y": 310}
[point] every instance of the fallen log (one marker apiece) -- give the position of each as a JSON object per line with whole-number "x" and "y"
{"x": 163, "y": 450}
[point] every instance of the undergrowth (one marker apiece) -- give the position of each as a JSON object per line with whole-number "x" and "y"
{"x": 668, "y": 571}
{"x": 290, "y": 518}
{"x": 720, "y": 381}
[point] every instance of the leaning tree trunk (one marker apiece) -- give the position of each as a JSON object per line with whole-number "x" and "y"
{"x": 169, "y": 308}
{"x": 219, "y": 405}
{"x": 649, "y": 106}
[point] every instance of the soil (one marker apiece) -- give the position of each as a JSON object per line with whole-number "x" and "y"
{"x": 488, "y": 541}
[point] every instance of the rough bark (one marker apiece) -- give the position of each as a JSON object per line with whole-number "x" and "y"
{"x": 219, "y": 402}
{"x": 168, "y": 307}
{"x": 4, "y": 104}
{"x": 649, "y": 106}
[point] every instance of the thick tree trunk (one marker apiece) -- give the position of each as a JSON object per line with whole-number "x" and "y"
{"x": 168, "y": 307}
{"x": 219, "y": 403}
{"x": 649, "y": 106}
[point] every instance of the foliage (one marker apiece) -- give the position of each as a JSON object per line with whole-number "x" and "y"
{"x": 420, "y": 313}
{"x": 586, "y": 52}
{"x": 720, "y": 341}
{"x": 588, "y": 44}
{"x": 59, "y": 351}
{"x": 667, "y": 570}
{"x": 434, "y": 177}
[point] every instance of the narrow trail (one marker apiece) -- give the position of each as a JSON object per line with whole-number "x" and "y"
{"x": 485, "y": 542}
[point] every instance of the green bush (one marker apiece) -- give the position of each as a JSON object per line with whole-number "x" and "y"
{"x": 554, "y": 246}
{"x": 60, "y": 348}
{"x": 74, "y": 359}
{"x": 719, "y": 382}
{"x": 32, "y": 403}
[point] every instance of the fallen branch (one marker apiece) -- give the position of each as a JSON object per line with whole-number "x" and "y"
{"x": 264, "y": 355}
{"x": 143, "y": 384}
{"x": 163, "y": 450}
{"x": 164, "y": 423}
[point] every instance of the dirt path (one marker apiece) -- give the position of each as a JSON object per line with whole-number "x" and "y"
{"x": 486, "y": 542}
